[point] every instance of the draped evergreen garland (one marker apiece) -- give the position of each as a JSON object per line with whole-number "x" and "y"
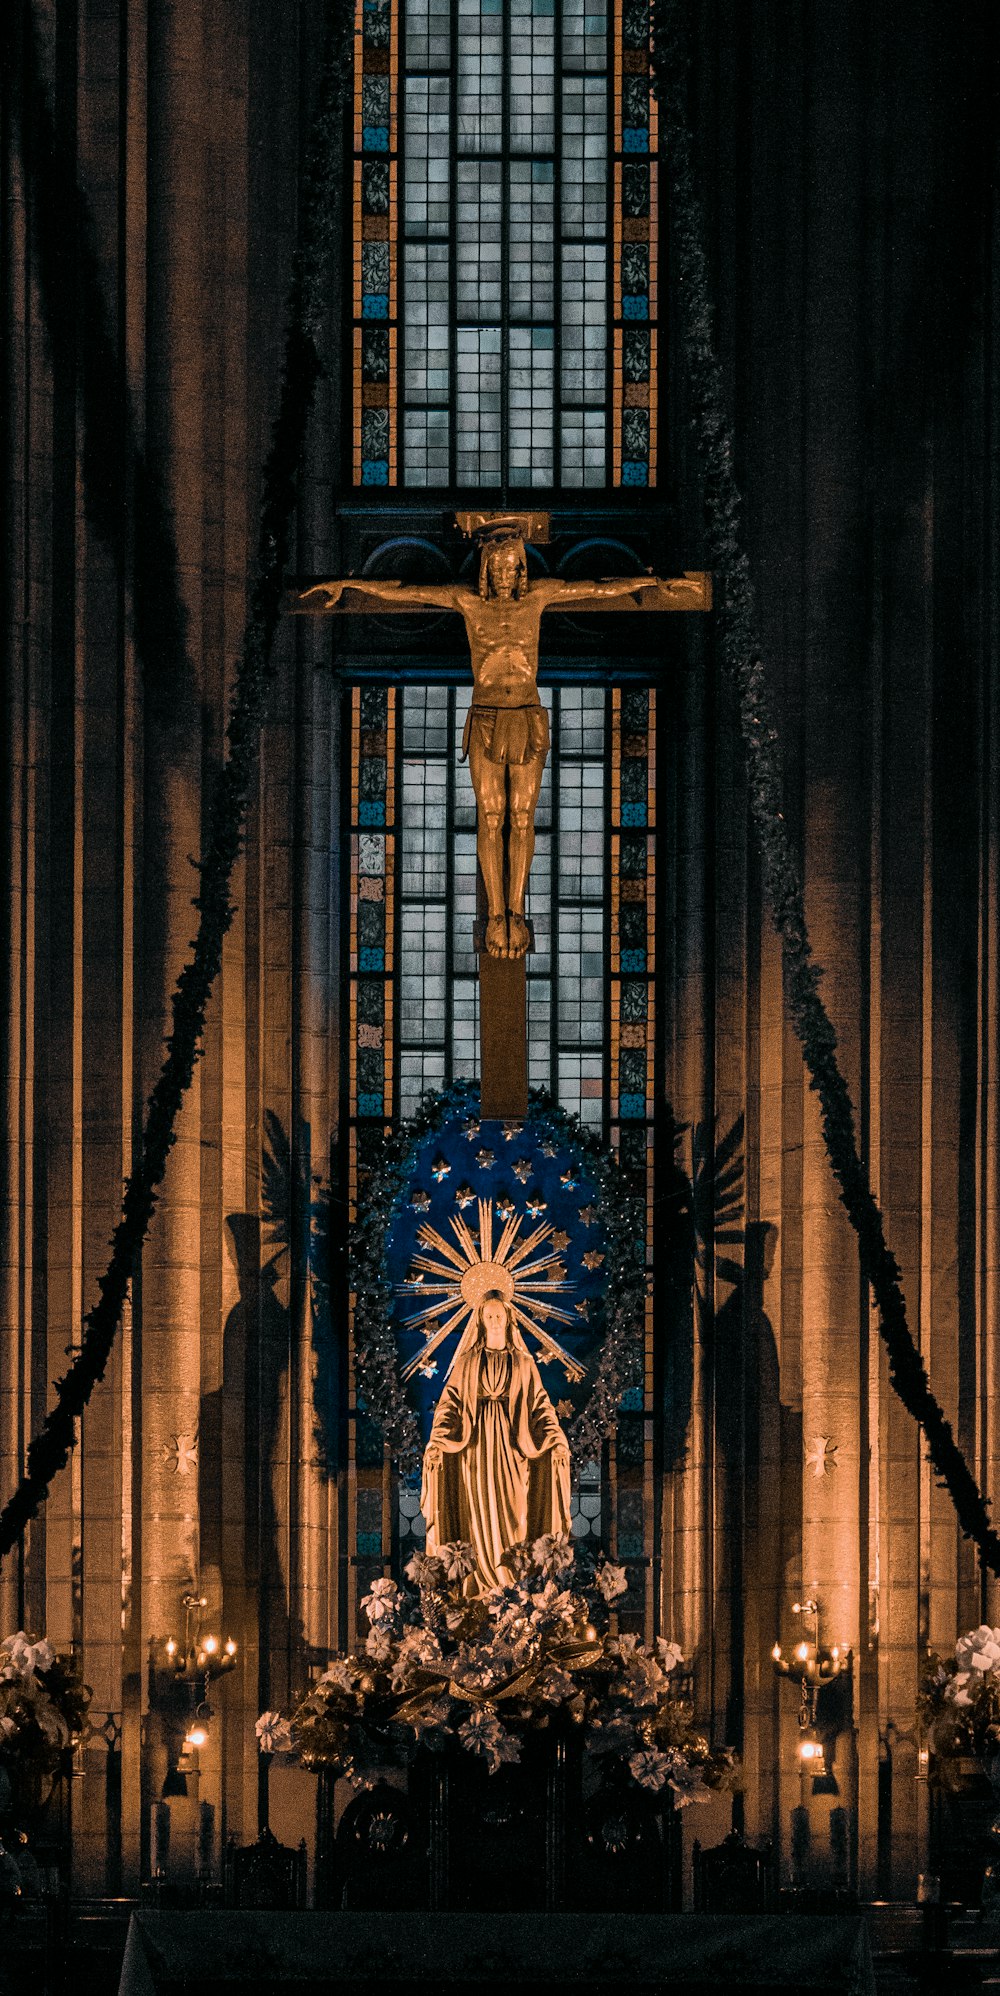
{"x": 740, "y": 648}
{"x": 306, "y": 309}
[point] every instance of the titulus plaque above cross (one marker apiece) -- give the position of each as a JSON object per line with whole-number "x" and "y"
{"x": 506, "y": 741}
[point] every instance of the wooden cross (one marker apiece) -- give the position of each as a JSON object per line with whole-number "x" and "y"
{"x": 506, "y": 740}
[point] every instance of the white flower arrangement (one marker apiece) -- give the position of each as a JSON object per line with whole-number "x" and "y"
{"x": 43, "y": 1705}
{"x": 960, "y": 1697}
{"x": 488, "y": 1671}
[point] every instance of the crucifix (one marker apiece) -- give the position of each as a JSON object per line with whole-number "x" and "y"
{"x": 506, "y": 741}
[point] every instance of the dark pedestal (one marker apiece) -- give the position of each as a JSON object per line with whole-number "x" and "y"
{"x": 527, "y": 1838}
{"x": 962, "y": 1807}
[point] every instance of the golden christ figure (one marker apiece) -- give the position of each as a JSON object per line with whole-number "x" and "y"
{"x": 507, "y": 730}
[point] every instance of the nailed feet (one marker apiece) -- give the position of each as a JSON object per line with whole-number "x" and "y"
{"x": 507, "y": 935}
{"x": 518, "y": 938}
{"x": 496, "y": 935}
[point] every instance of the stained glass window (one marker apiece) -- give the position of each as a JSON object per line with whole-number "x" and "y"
{"x": 438, "y": 976}
{"x": 505, "y": 245}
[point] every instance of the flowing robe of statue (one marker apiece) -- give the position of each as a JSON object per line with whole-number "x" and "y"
{"x": 496, "y": 1468}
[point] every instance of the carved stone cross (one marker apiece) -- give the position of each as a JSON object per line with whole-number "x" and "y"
{"x": 507, "y": 740}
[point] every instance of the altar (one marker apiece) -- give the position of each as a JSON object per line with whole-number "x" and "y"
{"x": 608, "y": 1955}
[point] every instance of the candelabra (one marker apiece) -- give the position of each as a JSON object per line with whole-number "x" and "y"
{"x": 201, "y": 1656}
{"x": 813, "y": 1664}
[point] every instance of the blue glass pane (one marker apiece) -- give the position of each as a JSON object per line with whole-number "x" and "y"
{"x": 375, "y": 472}
{"x": 635, "y": 138}
{"x": 633, "y": 814}
{"x": 633, "y": 960}
{"x": 370, "y": 1105}
{"x": 632, "y": 1105}
{"x": 375, "y": 138}
{"x": 635, "y": 472}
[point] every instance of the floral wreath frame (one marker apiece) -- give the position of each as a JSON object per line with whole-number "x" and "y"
{"x": 619, "y": 1315}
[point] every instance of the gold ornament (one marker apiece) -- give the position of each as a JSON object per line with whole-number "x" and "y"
{"x": 457, "y": 1276}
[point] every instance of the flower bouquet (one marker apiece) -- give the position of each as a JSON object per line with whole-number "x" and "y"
{"x": 959, "y": 1713}
{"x": 43, "y": 1710}
{"x": 488, "y": 1671}
{"x": 959, "y": 1701}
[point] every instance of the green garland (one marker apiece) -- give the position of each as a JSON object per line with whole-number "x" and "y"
{"x": 307, "y": 303}
{"x": 765, "y": 771}
{"x": 384, "y": 1176}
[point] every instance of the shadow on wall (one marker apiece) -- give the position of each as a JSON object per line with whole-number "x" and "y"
{"x": 705, "y": 1249}
{"x": 702, "y": 1243}
{"x": 297, "y": 1219}
{"x": 245, "y": 1426}
{"x": 241, "y": 1431}
{"x": 699, "y": 1213}
{"x": 754, "y": 1428}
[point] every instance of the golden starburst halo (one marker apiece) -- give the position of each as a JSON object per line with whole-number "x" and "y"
{"x": 454, "y": 1276}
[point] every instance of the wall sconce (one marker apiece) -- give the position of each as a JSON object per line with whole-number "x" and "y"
{"x": 203, "y": 1654}
{"x": 193, "y": 1661}
{"x": 810, "y": 1661}
{"x": 811, "y": 1664}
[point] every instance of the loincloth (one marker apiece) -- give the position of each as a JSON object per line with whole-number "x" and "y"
{"x": 507, "y": 734}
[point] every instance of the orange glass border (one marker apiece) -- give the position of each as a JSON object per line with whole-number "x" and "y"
{"x": 358, "y": 233}
{"x": 618, "y": 1478}
{"x": 369, "y": 1478}
{"x": 618, "y": 378}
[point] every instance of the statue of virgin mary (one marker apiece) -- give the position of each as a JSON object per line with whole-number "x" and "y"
{"x": 496, "y": 1465}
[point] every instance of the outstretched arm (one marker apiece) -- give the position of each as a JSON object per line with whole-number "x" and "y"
{"x": 325, "y": 596}
{"x": 555, "y": 593}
